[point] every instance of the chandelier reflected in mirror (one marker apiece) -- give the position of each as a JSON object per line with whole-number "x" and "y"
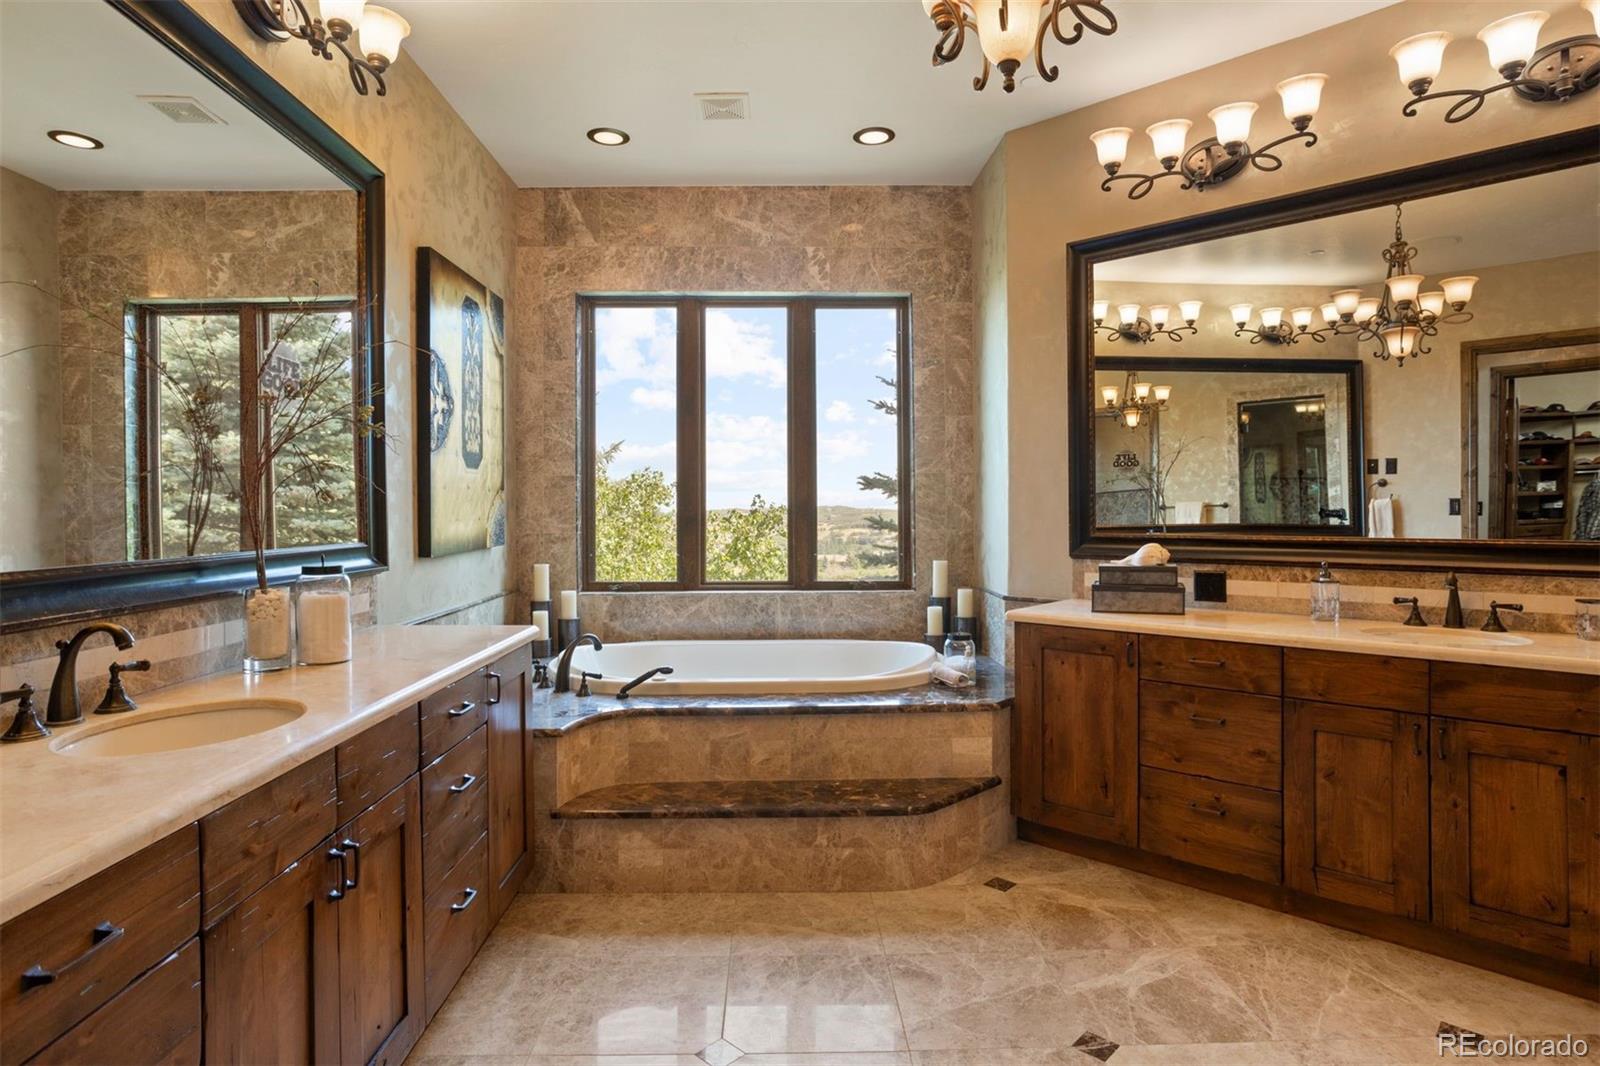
{"x": 1008, "y": 31}
{"x": 1135, "y": 401}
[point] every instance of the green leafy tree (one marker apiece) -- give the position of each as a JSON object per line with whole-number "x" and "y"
{"x": 635, "y": 523}
{"x": 748, "y": 544}
{"x": 885, "y": 552}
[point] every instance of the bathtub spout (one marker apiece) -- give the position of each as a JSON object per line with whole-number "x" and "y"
{"x": 564, "y": 665}
{"x": 622, "y": 693}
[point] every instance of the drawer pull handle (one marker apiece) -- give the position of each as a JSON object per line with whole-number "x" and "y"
{"x": 471, "y": 894}
{"x": 37, "y": 976}
{"x": 343, "y": 880}
{"x": 1200, "y": 719}
{"x": 1416, "y": 739}
{"x": 1218, "y": 663}
{"x": 467, "y": 707}
{"x": 499, "y": 689}
{"x": 1218, "y": 812}
{"x": 354, "y": 848}
{"x": 467, "y": 781}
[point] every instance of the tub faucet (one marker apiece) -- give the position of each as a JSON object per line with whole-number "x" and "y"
{"x": 622, "y": 693}
{"x": 1452, "y": 609}
{"x": 564, "y": 664}
{"x": 63, "y": 707}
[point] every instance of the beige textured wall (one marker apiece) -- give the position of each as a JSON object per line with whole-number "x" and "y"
{"x": 1052, "y": 199}
{"x": 990, "y": 334}
{"x": 771, "y": 239}
{"x": 30, "y": 376}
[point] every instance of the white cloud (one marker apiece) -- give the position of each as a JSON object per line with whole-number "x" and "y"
{"x": 846, "y": 445}
{"x": 654, "y": 399}
{"x": 632, "y": 456}
{"x": 840, "y": 411}
{"x": 737, "y": 347}
{"x": 888, "y": 357}
{"x": 635, "y": 344}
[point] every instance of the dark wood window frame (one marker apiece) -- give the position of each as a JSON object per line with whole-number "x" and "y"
{"x": 802, "y": 434}
{"x": 255, "y": 317}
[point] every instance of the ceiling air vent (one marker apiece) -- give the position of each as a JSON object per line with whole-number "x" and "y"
{"x": 184, "y": 110}
{"x": 719, "y": 107}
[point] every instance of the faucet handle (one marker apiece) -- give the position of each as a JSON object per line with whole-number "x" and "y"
{"x": 583, "y": 682}
{"x": 1415, "y": 617}
{"x": 1492, "y": 624}
{"x": 116, "y": 700}
{"x": 26, "y": 724}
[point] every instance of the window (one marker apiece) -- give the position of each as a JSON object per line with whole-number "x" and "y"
{"x": 746, "y": 442}
{"x": 194, "y": 430}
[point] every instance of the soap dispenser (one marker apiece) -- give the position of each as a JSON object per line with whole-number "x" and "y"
{"x": 1324, "y": 596}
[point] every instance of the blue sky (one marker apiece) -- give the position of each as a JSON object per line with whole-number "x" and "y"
{"x": 746, "y": 398}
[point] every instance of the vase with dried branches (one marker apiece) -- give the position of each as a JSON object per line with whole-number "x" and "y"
{"x": 1154, "y": 479}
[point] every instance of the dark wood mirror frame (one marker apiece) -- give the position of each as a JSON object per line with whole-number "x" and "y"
{"x": 33, "y": 598}
{"x": 1573, "y": 148}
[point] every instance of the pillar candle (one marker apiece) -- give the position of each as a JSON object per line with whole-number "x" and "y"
{"x": 569, "y": 604}
{"x": 941, "y": 579}
{"x": 935, "y": 620}
{"x": 541, "y": 622}
{"x": 541, "y": 581}
{"x": 963, "y": 603}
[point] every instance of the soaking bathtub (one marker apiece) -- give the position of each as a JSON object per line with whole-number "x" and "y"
{"x": 757, "y": 667}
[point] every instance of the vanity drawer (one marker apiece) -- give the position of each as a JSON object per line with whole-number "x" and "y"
{"x": 455, "y": 922}
{"x": 1231, "y": 736}
{"x": 257, "y": 836}
{"x": 67, "y": 956}
{"x": 154, "y": 1020}
{"x": 376, "y": 762}
{"x": 455, "y": 805}
{"x": 1212, "y": 663}
{"x": 1539, "y": 699}
{"x": 451, "y": 714}
{"x": 1233, "y": 828}
{"x": 1379, "y": 681}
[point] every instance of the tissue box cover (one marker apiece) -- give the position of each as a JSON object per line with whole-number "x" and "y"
{"x": 1148, "y": 599}
{"x": 1122, "y": 577}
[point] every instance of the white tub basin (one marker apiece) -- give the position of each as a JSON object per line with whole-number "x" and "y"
{"x": 175, "y": 728}
{"x": 1445, "y": 638}
{"x": 757, "y": 667}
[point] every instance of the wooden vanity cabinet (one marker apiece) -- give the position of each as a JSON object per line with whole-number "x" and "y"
{"x": 510, "y": 764}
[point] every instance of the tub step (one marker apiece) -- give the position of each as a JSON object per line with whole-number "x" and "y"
{"x": 859, "y": 798}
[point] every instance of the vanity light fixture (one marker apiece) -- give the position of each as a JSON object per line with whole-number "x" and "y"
{"x": 1131, "y": 327}
{"x": 610, "y": 138}
{"x": 1136, "y": 401}
{"x": 1215, "y": 159}
{"x": 1552, "y": 74}
{"x": 340, "y": 23}
{"x": 873, "y": 135}
{"x": 76, "y": 140}
{"x": 1008, "y": 30}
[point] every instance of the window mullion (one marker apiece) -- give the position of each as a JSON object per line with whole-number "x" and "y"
{"x": 802, "y": 444}
{"x": 691, "y": 444}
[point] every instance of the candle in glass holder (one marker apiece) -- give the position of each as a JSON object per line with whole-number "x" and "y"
{"x": 541, "y": 622}
{"x": 935, "y": 620}
{"x": 541, "y": 581}
{"x": 941, "y": 580}
{"x": 964, "y": 603}
{"x": 569, "y": 604}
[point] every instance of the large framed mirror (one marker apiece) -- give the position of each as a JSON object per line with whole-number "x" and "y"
{"x": 191, "y": 261}
{"x": 1400, "y": 371}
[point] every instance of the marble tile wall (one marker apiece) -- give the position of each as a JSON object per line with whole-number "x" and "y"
{"x": 782, "y": 239}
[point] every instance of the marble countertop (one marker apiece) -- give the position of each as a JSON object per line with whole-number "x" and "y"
{"x": 64, "y": 818}
{"x": 1561, "y": 652}
{"x": 555, "y": 714}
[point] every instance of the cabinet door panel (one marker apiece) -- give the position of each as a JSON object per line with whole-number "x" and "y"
{"x": 1515, "y": 835}
{"x": 1356, "y": 806}
{"x": 382, "y": 1009}
{"x": 510, "y": 770}
{"x": 1078, "y": 731}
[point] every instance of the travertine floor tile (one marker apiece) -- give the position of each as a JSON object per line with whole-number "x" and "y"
{"x": 1065, "y": 917}
{"x": 805, "y": 923}
{"x": 835, "y": 1058}
{"x": 1154, "y": 996}
{"x": 636, "y": 1004}
{"x": 957, "y": 919}
{"x": 812, "y": 1003}
{"x": 586, "y": 924}
{"x": 972, "y": 1001}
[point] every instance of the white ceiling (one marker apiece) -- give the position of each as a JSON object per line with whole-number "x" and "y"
{"x": 82, "y": 66}
{"x": 531, "y": 77}
{"x": 1541, "y": 217}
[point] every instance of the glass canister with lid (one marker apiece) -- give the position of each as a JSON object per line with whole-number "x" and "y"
{"x": 1324, "y": 596}
{"x": 322, "y": 614}
{"x": 961, "y": 656}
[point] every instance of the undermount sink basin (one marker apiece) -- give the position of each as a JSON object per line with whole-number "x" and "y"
{"x": 1446, "y": 638}
{"x": 177, "y": 728}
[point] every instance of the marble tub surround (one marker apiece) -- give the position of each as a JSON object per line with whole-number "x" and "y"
{"x": 1011, "y": 963}
{"x": 1560, "y": 652}
{"x": 858, "y": 798}
{"x": 64, "y": 818}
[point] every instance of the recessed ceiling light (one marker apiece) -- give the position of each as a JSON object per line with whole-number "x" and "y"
{"x": 607, "y": 136}
{"x": 873, "y": 135}
{"x": 75, "y": 140}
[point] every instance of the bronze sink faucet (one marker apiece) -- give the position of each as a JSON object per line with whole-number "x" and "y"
{"x": 63, "y": 707}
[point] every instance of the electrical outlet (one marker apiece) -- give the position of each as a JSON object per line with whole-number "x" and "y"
{"x": 1211, "y": 586}
{"x": 1372, "y": 466}
{"x": 1455, "y": 505}
{"x": 1391, "y": 465}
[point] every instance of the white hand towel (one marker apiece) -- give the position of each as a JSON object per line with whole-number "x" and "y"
{"x": 1380, "y": 516}
{"x": 1189, "y": 513}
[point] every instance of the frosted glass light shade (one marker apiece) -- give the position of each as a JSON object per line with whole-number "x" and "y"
{"x": 1158, "y": 315}
{"x": 1111, "y": 145}
{"x": 1403, "y": 288}
{"x": 1301, "y": 317}
{"x": 1419, "y": 58}
{"x": 1108, "y": 393}
{"x": 1367, "y": 308}
{"x": 1346, "y": 300}
{"x": 1302, "y": 95}
{"x": 1271, "y": 318}
{"x": 1100, "y": 307}
{"x": 382, "y": 31}
{"x": 1162, "y": 393}
{"x": 1240, "y": 313}
{"x": 1458, "y": 290}
{"x": 1233, "y": 121}
{"x": 1169, "y": 137}
{"x": 1015, "y": 41}
{"x": 1330, "y": 313}
{"x": 1190, "y": 309}
{"x": 348, "y": 11}
{"x": 1401, "y": 341}
{"x": 1141, "y": 390}
{"x": 1432, "y": 302}
{"x": 1129, "y": 313}
{"x": 1130, "y": 418}
{"x": 1511, "y": 40}
{"x": 1593, "y": 8}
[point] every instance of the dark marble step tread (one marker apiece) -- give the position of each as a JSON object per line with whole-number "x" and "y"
{"x": 861, "y": 798}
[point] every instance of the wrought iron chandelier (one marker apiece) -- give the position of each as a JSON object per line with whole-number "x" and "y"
{"x": 380, "y": 32}
{"x": 1132, "y": 327}
{"x": 1135, "y": 401}
{"x": 1008, "y": 30}
{"x": 1399, "y": 320}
